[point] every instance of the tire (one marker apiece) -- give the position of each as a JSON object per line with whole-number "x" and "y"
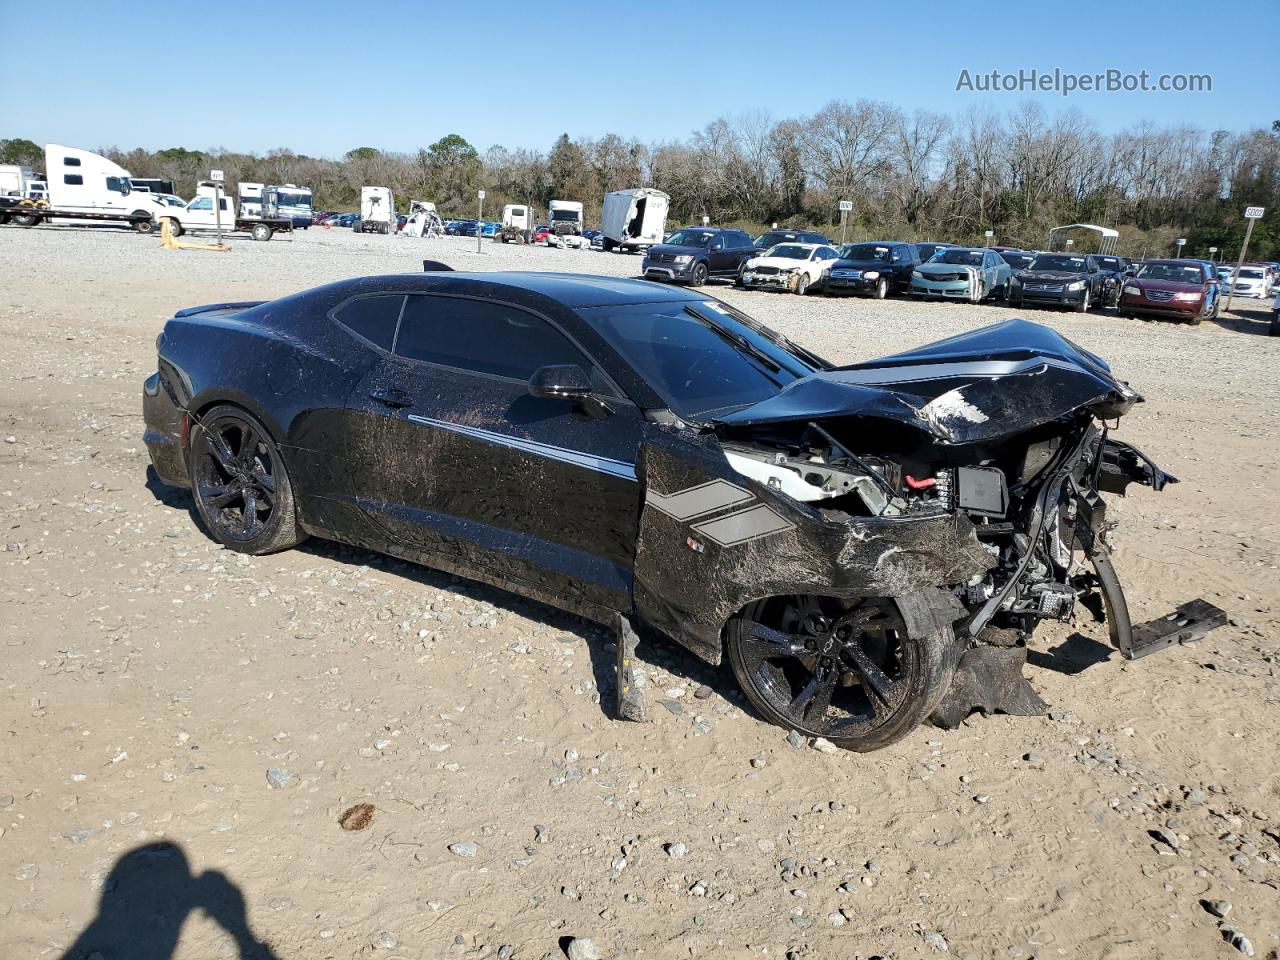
{"x": 802, "y": 284}
{"x": 25, "y": 219}
{"x": 699, "y": 276}
{"x": 1015, "y": 302}
{"x": 145, "y": 227}
{"x": 175, "y": 228}
{"x": 260, "y": 231}
{"x": 737, "y": 277}
{"x": 914, "y": 674}
{"x": 236, "y": 473}
{"x": 1274, "y": 330}
{"x": 882, "y": 289}
{"x": 1083, "y": 305}
{"x": 1194, "y": 321}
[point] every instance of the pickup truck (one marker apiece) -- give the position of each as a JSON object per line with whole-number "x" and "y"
{"x": 199, "y": 215}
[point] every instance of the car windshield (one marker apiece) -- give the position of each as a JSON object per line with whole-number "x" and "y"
{"x": 789, "y": 251}
{"x": 293, "y": 198}
{"x": 927, "y": 250}
{"x": 972, "y": 258}
{"x": 1172, "y": 272}
{"x": 565, "y": 215}
{"x": 1249, "y": 273}
{"x": 1059, "y": 262}
{"x": 1109, "y": 263}
{"x": 866, "y": 252}
{"x": 700, "y": 357}
{"x": 690, "y": 238}
{"x": 1019, "y": 261}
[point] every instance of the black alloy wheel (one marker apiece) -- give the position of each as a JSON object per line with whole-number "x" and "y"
{"x": 843, "y": 670}
{"x": 241, "y": 488}
{"x": 699, "y": 276}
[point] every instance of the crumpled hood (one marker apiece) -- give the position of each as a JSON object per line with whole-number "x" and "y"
{"x": 782, "y": 263}
{"x": 995, "y": 382}
{"x": 931, "y": 268}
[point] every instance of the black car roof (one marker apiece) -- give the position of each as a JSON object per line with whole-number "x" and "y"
{"x": 571, "y": 290}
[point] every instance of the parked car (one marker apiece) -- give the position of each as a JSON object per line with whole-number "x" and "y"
{"x": 878, "y": 269}
{"x": 771, "y": 238}
{"x": 842, "y": 537}
{"x": 541, "y": 232}
{"x": 798, "y": 267}
{"x": 1252, "y": 281}
{"x": 928, "y": 251}
{"x": 489, "y": 228}
{"x": 1018, "y": 260}
{"x": 1178, "y": 289}
{"x": 1060, "y": 280}
{"x": 962, "y": 273}
{"x": 401, "y": 220}
{"x": 1114, "y": 271}
{"x": 694, "y": 254}
{"x": 320, "y": 216}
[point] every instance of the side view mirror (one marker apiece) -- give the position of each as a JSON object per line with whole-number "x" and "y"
{"x": 564, "y": 381}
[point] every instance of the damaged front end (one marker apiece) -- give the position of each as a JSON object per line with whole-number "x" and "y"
{"x": 962, "y": 482}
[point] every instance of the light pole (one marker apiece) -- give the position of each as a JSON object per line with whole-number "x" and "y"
{"x": 480, "y": 221}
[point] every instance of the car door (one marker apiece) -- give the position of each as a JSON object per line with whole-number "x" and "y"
{"x": 717, "y": 256}
{"x": 458, "y": 464}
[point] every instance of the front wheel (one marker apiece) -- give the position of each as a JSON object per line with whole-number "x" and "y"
{"x": 145, "y": 227}
{"x": 699, "y": 275}
{"x": 882, "y": 288}
{"x": 175, "y": 228}
{"x": 240, "y": 484}
{"x": 802, "y": 284}
{"x": 845, "y": 670}
{"x": 1083, "y": 305}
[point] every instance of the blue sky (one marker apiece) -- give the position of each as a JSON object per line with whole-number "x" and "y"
{"x": 325, "y": 76}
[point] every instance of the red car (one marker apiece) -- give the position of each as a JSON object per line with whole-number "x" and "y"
{"x": 540, "y": 233}
{"x": 1179, "y": 289}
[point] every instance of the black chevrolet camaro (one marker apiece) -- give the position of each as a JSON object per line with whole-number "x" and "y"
{"x": 867, "y": 546}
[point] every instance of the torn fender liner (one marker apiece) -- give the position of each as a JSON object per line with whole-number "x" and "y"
{"x": 711, "y": 541}
{"x": 989, "y": 680}
{"x": 995, "y": 382}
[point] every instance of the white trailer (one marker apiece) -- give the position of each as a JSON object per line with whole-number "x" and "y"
{"x": 634, "y": 219}
{"x": 377, "y": 210}
{"x": 517, "y": 224}
{"x": 15, "y": 179}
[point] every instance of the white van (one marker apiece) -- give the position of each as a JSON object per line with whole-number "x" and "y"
{"x": 633, "y": 219}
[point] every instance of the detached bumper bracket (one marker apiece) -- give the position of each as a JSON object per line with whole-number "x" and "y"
{"x": 1189, "y": 623}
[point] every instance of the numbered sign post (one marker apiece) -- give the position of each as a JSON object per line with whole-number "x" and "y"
{"x": 216, "y": 177}
{"x": 845, "y": 207}
{"x": 1252, "y": 215}
{"x": 480, "y": 221}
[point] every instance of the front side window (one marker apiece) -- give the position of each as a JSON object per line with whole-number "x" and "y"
{"x": 959, "y": 255}
{"x": 700, "y": 358}
{"x": 71, "y": 161}
{"x": 789, "y": 251}
{"x": 201, "y": 203}
{"x": 691, "y": 238}
{"x": 73, "y": 179}
{"x": 373, "y": 318}
{"x": 490, "y": 338}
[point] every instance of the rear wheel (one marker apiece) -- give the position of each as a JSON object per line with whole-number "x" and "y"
{"x": 240, "y": 484}
{"x": 146, "y": 226}
{"x": 260, "y": 231}
{"x": 845, "y": 670}
{"x": 25, "y": 219}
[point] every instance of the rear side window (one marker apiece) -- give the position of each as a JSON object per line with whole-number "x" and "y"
{"x": 73, "y": 179}
{"x": 71, "y": 161}
{"x": 491, "y": 338}
{"x": 373, "y": 318}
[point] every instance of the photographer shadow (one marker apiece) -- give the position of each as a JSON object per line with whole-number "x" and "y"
{"x": 147, "y": 898}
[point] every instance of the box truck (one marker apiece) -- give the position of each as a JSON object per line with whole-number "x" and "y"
{"x": 634, "y": 219}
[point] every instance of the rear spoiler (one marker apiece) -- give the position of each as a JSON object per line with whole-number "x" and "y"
{"x": 435, "y": 266}
{"x": 210, "y": 307}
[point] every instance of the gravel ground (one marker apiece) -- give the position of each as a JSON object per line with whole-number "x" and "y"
{"x": 229, "y": 710}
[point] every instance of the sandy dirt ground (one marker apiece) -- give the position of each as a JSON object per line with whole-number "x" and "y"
{"x": 181, "y": 727}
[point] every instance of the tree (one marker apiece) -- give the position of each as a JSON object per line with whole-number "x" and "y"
{"x": 22, "y": 152}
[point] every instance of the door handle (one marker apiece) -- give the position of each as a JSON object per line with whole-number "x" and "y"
{"x": 392, "y": 397}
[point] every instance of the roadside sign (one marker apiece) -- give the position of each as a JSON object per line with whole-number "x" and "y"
{"x": 215, "y": 176}
{"x": 1250, "y": 214}
{"x": 846, "y": 206}
{"x": 1254, "y": 213}
{"x": 480, "y": 194}
{"x": 1180, "y": 241}
{"x": 989, "y": 233}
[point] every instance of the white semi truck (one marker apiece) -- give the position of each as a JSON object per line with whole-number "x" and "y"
{"x": 634, "y": 219}
{"x": 283, "y": 199}
{"x": 566, "y": 224}
{"x": 84, "y": 186}
{"x": 517, "y": 224}
{"x": 377, "y": 210}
